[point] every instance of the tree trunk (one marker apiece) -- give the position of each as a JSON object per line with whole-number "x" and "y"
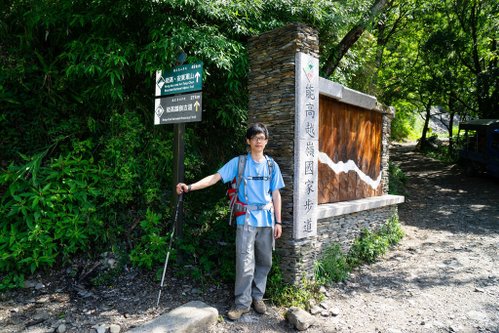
{"x": 351, "y": 38}
{"x": 452, "y": 113}
{"x": 422, "y": 141}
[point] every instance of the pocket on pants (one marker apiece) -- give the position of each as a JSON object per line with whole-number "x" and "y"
{"x": 244, "y": 241}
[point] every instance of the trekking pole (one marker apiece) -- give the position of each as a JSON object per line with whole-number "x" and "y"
{"x": 169, "y": 246}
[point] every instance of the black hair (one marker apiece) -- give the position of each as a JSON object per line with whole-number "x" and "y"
{"x": 257, "y": 129}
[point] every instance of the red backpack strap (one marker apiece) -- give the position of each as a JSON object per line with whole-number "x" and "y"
{"x": 236, "y": 207}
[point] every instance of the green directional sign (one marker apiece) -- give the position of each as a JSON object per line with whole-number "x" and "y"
{"x": 179, "y": 79}
{"x": 184, "y": 108}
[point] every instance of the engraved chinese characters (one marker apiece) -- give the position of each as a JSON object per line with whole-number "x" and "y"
{"x": 307, "y": 140}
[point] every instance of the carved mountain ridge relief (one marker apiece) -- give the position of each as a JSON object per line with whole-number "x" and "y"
{"x": 349, "y": 152}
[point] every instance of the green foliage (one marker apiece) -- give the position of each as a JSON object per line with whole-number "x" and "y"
{"x": 207, "y": 248}
{"x": 51, "y": 211}
{"x": 405, "y": 125}
{"x": 150, "y": 246}
{"x": 442, "y": 154}
{"x": 335, "y": 265}
{"x": 397, "y": 179}
{"x": 371, "y": 245}
{"x": 288, "y": 295}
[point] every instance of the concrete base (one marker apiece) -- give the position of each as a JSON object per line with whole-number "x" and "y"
{"x": 353, "y": 206}
{"x": 192, "y": 317}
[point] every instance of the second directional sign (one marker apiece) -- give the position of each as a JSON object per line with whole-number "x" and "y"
{"x": 179, "y": 80}
{"x": 178, "y": 109}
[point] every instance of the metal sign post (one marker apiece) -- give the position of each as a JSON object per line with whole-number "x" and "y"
{"x": 178, "y": 172}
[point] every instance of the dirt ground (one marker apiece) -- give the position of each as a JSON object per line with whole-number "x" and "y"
{"x": 442, "y": 277}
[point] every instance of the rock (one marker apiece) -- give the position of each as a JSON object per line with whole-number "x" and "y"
{"x": 335, "y": 312}
{"x": 315, "y": 310}
{"x": 41, "y": 315}
{"x": 456, "y": 328}
{"x": 194, "y": 316}
{"x": 61, "y": 328}
{"x": 248, "y": 318}
{"x": 39, "y": 286}
{"x": 311, "y": 303}
{"x": 299, "y": 318}
{"x": 115, "y": 328}
{"x": 111, "y": 263}
{"x": 29, "y": 284}
{"x": 43, "y": 299}
{"x": 100, "y": 328}
{"x": 393, "y": 330}
{"x": 85, "y": 293}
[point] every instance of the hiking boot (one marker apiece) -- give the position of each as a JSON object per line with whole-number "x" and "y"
{"x": 259, "y": 306}
{"x": 236, "y": 313}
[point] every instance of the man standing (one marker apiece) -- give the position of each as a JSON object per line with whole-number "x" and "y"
{"x": 261, "y": 222}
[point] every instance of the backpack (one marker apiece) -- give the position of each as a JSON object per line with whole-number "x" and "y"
{"x": 237, "y": 208}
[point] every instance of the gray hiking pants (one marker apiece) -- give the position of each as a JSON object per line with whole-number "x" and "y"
{"x": 253, "y": 263}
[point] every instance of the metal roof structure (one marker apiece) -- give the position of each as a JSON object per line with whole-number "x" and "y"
{"x": 473, "y": 124}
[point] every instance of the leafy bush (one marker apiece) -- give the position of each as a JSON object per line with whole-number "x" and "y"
{"x": 207, "y": 247}
{"x": 405, "y": 125}
{"x": 397, "y": 179}
{"x": 151, "y": 246}
{"x": 443, "y": 154}
{"x": 288, "y": 295}
{"x": 51, "y": 211}
{"x": 333, "y": 267}
{"x": 371, "y": 245}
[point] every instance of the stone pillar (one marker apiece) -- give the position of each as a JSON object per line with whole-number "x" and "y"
{"x": 388, "y": 114}
{"x": 273, "y": 100}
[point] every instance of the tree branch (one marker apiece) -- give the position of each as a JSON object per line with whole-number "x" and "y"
{"x": 352, "y": 37}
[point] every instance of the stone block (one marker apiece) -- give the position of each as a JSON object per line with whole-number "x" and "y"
{"x": 192, "y": 317}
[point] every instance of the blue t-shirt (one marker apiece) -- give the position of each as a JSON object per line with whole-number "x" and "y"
{"x": 257, "y": 191}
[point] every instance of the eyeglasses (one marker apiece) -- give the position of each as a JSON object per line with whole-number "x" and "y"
{"x": 258, "y": 138}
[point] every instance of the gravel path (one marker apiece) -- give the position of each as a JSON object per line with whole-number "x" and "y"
{"x": 442, "y": 277}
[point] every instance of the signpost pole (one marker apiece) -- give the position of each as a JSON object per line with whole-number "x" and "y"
{"x": 178, "y": 92}
{"x": 178, "y": 171}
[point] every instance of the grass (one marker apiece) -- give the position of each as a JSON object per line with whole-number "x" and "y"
{"x": 335, "y": 265}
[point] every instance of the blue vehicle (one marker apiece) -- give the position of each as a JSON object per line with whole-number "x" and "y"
{"x": 480, "y": 146}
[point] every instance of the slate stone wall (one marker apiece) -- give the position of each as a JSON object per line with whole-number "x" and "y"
{"x": 385, "y": 146}
{"x": 344, "y": 229}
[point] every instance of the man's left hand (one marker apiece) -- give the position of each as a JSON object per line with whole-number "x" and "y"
{"x": 277, "y": 231}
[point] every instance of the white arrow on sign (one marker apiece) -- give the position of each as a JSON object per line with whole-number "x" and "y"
{"x": 197, "y": 76}
{"x": 196, "y": 105}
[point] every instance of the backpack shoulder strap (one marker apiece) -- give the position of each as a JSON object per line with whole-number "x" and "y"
{"x": 240, "y": 169}
{"x": 270, "y": 163}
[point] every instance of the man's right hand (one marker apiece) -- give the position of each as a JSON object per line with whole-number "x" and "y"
{"x": 182, "y": 188}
